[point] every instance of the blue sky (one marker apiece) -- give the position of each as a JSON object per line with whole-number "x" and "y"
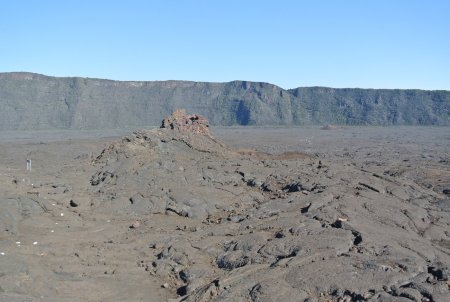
{"x": 368, "y": 44}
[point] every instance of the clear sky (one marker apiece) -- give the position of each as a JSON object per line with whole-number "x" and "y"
{"x": 336, "y": 43}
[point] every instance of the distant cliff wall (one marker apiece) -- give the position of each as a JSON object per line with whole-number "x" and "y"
{"x": 32, "y": 101}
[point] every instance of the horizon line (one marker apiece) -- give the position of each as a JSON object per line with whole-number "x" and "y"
{"x": 212, "y": 82}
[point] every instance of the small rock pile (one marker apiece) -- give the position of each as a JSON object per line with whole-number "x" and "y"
{"x": 331, "y": 127}
{"x": 180, "y": 121}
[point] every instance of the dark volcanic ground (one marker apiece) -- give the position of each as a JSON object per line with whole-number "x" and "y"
{"x": 353, "y": 214}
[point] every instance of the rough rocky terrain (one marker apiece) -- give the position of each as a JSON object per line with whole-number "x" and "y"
{"x": 182, "y": 213}
{"x": 38, "y": 102}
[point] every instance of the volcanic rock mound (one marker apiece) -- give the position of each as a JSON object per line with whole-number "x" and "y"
{"x": 165, "y": 170}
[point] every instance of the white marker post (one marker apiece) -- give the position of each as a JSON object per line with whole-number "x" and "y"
{"x": 29, "y": 165}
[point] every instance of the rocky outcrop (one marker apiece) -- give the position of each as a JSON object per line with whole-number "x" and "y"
{"x": 180, "y": 121}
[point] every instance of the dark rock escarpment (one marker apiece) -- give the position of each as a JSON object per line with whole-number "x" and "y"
{"x": 32, "y": 101}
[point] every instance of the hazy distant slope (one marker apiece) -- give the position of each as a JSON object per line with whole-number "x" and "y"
{"x": 375, "y": 106}
{"x": 32, "y": 101}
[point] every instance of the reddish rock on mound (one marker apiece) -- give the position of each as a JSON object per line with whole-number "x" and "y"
{"x": 183, "y": 122}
